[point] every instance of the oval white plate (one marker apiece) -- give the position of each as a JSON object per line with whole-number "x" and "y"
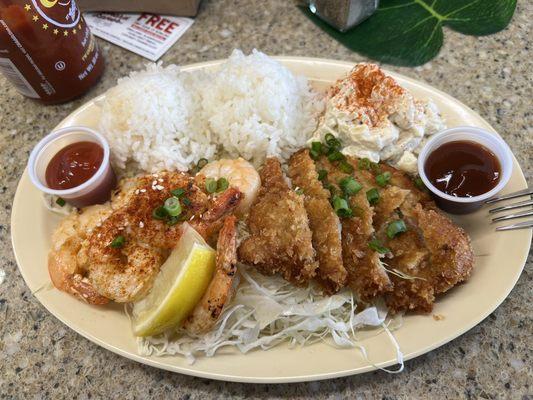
{"x": 500, "y": 258}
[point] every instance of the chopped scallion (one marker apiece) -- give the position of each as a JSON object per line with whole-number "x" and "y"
{"x": 363, "y": 164}
{"x": 420, "y": 183}
{"x": 315, "y": 155}
{"x": 346, "y": 167}
{"x": 118, "y": 242}
{"x": 322, "y": 174}
{"x": 172, "y": 206}
{"x": 160, "y": 213}
{"x": 336, "y": 156}
{"x": 372, "y": 196}
{"x": 60, "y": 202}
{"x": 316, "y": 147}
{"x": 299, "y": 191}
{"x": 210, "y": 185}
{"x": 186, "y": 201}
{"x": 222, "y": 184}
{"x": 173, "y": 220}
{"x": 178, "y": 192}
{"x": 375, "y": 167}
{"x": 350, "y": 186}
{"x": 341, "y": 207}
{"x": 395, "y": 228}
{"x": 376, "y": 245}
{"x": 383, "y": 179}
{"x": 202, "y": 162}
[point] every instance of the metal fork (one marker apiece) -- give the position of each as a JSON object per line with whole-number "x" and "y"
{"x": 528, "y": 204}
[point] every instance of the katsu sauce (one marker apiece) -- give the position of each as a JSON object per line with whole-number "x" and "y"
{"x": 73, "y": 165}
{"x": 463, "y": 169}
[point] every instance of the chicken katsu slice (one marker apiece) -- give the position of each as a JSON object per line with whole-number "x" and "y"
{"x": 451, "y": 254}
{"x": 280, "y": 238}
{"x": 323, "y": 221}
{"x": 435, "y": 252}
{"x": 366, "y": 275}
{"x": 403, "y": 181}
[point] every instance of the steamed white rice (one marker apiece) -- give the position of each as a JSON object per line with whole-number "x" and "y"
{"x": 250, "y": 107}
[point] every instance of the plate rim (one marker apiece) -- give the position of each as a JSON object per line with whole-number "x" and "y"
{"x": 273, "y": 379}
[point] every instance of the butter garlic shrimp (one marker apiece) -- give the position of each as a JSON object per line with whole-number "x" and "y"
{"x": 240, "y": 174}
{"x": 220, "y": 290}
{"x": 64, "y": 267}
{"x": 124, "y": 255}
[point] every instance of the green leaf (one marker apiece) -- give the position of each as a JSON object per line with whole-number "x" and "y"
{"x": 409, "y": 32}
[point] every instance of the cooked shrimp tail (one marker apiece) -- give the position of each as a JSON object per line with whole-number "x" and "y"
{"x": 220, "y": 290}
{"x": 211, "y": 220}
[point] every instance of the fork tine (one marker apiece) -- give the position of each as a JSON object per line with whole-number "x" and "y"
{"x": 519, "y": 225}
{"x": 513, "y": 216}
{"x": 520, "y": 193}
{"x": 512, "y": 206}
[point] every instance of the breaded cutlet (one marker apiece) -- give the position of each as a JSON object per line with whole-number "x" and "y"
{"x": 280, "y": 237}
{"x": 366, "y": 275}
{"x": 323, "y": 220}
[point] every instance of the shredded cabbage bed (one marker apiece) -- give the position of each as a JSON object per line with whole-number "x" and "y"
{"x": 266, "y": 311}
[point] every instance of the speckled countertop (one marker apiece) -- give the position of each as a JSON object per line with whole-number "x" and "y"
{"x": 41, "y": 358}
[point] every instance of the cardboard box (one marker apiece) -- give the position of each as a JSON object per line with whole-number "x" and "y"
{"x": 182, "y": 8}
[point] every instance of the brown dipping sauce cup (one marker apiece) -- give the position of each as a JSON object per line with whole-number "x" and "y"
{"x": 96, "y": 190}
{"x": 494, "y": 143}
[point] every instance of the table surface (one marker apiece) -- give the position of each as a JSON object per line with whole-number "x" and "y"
{"x": 42, "y": 358}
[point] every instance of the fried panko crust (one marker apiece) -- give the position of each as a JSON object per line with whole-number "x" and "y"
{"x": 366, "y": 275}
{"x": 323, "y": 221}
{"x": 280, "y": 238}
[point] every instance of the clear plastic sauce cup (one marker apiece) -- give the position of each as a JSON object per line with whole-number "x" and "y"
{"x": 465, "y": 205}
{"x": 95, "y": 190}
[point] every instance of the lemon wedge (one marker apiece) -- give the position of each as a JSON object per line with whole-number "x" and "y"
{"x": 178, "y": 287}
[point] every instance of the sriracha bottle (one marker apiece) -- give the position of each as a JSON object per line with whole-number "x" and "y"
{"x": 47, "y": 50}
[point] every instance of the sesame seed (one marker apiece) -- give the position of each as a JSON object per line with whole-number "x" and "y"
{"x": 161, "y": 180}
{"x": 159, "y": 187}
{"x": 141, "y": 224}
{"x": 137, "y": 191}
{"x": 143, "y": 190}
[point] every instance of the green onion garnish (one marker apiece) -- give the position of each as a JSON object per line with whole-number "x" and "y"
{"x": 60, "y": 202}
{"x": 316, "y": 147}
{"x": 375, "y": 167}
{"x": 383, "y": 179}
{"x": 172, "y": 206}
{"x": 173, "y": 220}
{"x": 186, "y": 201}
{"x": 211, "y": 185}
{"x": 350, "y": 186}
{"x": 372, "y": 196}
{"x": 420, "y": 183}
{"x": 222, "y": 184}
{"x": 315, "y": 155}
{"x": 377, "y": 246}
{"x": 178, "y": 192}
{"x": 341, "y": 207}
{"x": 334, "y": 143}
{"x": 346, "y": 167}
{"x": 328, "y": 137}
{"x": 363, "y": 164}
{"x": 160, "y": 213}
{"x": 118, "y": 242}
{"x": 202, "y": 162}
{"x": 332, "y": 189}
{"x": 322, "y": 174}
{"x": 396, "y": 227}
{"x": 299, "y": 191}
{"x": 336, "y": 156}
{"x": 325, "y": 149}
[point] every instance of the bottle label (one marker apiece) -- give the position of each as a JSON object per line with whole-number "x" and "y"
{"x": 62, "y": 14}
{"x": 16, "y": 78}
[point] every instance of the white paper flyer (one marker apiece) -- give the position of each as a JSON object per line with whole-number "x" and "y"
{"x": 149, "y": 35}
